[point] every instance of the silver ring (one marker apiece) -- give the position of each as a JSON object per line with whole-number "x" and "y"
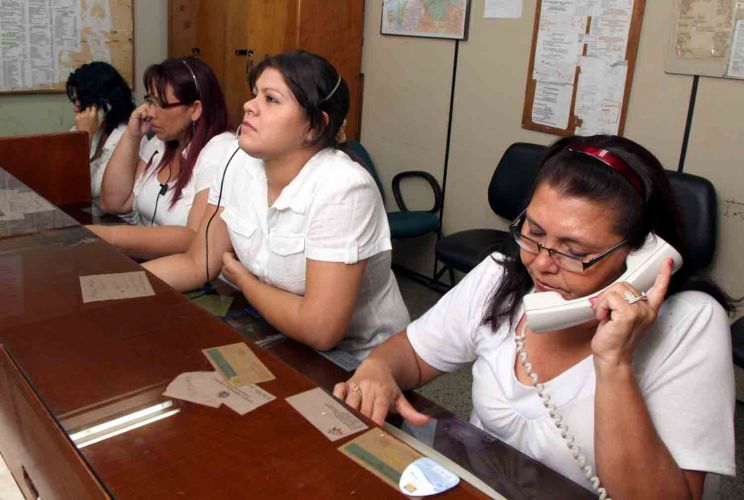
{"x": 631, "y": 298}
{"x": 355, "y": 388}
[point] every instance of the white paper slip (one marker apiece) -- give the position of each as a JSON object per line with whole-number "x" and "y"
{"x": 197, "y": 387}
{"x": 115, "y": 286}
{"x": 245, "y": 398}
{"x": 210, "y": 389}
{"x": 326, "y": 414}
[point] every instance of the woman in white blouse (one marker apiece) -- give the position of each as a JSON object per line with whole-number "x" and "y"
{"x": 642, "y": 396}
{"x": 306, "y": 224}
{"x": 102, "y": 102}
{"x": 164, "y": 180}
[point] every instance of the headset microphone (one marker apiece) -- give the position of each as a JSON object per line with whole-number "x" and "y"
{"x": 163, "y": 189}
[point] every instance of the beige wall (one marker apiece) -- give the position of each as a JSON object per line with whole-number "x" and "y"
{"x": 38, "y": 113}
{"x": 407, "y": 85}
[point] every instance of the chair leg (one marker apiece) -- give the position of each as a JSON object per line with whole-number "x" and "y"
{"x": 451, "y": 276}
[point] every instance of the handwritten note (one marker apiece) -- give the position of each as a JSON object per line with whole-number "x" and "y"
{"x": 97, "y": 287}
{"x": 704, "y": 29}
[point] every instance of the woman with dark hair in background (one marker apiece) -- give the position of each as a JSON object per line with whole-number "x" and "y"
{"x": 306, "y": 224}
{"x": 165, "y": 180}
{"x": 642, "y": 395}
{"x": 102, "y": 102}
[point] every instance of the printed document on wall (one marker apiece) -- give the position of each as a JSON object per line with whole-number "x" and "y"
{"x": 557, "y": 51}
{"x": 502, "y": 9}
{"x": 552, "y": 104}
{"x": 736, "y": 58}
{"x": 599, "y": 96}
{"x": 608, "y": 35}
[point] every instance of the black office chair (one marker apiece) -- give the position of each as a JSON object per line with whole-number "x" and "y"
{"x": 507, "y": 196}
{"x": 699, "y": 206}
{"x": 404, "y": 223}
{"x": 737, "y": 341}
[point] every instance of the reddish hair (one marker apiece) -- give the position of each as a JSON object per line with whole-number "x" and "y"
{"x": 180, "y": 75}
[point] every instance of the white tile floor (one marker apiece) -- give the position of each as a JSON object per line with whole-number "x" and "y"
{"x": 8, "y": 488}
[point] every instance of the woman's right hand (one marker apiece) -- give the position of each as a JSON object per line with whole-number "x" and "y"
{"x": 374, "y": 392}
{"x": 139, "y": 121}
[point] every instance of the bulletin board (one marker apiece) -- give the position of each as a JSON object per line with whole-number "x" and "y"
{"x": 42, "y": 42}
{"x": 707, "y": 39}
{"x": 581, "y": 66}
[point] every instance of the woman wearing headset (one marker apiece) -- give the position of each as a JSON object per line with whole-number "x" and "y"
{"x": 165, "y": 180}
{"x": 306, "y": 224}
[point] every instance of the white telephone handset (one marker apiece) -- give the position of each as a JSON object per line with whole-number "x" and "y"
{"x": 548, "y": 311}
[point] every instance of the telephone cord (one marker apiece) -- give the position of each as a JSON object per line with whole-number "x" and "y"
{"x": 568, "y": 437}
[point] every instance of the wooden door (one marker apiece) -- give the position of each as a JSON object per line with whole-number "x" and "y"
{"x": 197, "y": 27}
{"x": 231, "y": 35}
{"x": 254, "y": 29}
{"x": 334, "y": 30}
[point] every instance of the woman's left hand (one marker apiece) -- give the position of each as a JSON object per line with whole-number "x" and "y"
{"x": 234, "y": 271}
{"x": 621, "y": 324}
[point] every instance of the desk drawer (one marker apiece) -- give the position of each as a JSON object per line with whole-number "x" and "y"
{"x": 42, "y": 460}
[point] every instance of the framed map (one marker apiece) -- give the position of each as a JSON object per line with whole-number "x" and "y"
{"x": 427, "y": 18}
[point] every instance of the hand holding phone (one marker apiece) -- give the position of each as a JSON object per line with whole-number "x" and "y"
{"x": 139, "y": 121}
{"x": 548, "y": 311}
{"x": 88, "y": 120}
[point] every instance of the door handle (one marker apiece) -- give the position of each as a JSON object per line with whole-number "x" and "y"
{"x": 248, "y": 53}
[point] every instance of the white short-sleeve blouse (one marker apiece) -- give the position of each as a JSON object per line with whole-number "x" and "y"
{"x": 332, "y": 211}
{"x": 682, "y": 367}
{"x": 148, "y": 201}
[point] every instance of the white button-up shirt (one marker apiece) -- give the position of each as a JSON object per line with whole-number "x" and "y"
{"x": 332, "y": 211}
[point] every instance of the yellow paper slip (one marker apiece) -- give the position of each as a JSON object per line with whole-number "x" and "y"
{"x": 382, "y": 454}
{"x": 237, "y": 364}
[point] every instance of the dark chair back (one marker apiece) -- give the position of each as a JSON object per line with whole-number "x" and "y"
{"x": 699, "y": 206}
{"x": 512, "y": 180}
{"x": 359, "y": 154}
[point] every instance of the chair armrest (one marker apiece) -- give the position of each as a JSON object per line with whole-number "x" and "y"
{"x": 428, "y": 178}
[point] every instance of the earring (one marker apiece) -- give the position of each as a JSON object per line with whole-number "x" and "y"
{"x": 309, "y": 138}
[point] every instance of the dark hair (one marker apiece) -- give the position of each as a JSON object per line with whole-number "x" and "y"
{"x": 99, "y": 84}
{"x": 652, "y": 208}
{"x": 317, "y": 87}
{"x": 180, "y": 75}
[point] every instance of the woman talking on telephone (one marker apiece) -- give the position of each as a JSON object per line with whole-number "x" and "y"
{"x": 644, "y": 392}
{"x": 164, "y": 179}
{"x": 102, "y": 102}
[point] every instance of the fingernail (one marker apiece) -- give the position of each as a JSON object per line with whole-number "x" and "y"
{"x": 592, "y": 300}
{"x": 670, "y": 261}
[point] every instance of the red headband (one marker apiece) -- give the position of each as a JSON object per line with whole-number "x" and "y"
{"x": 614, "y": 162}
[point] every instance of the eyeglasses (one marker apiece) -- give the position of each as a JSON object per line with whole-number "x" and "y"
{"x": 151, "y": 101}
{"x": 564, "y": 261}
